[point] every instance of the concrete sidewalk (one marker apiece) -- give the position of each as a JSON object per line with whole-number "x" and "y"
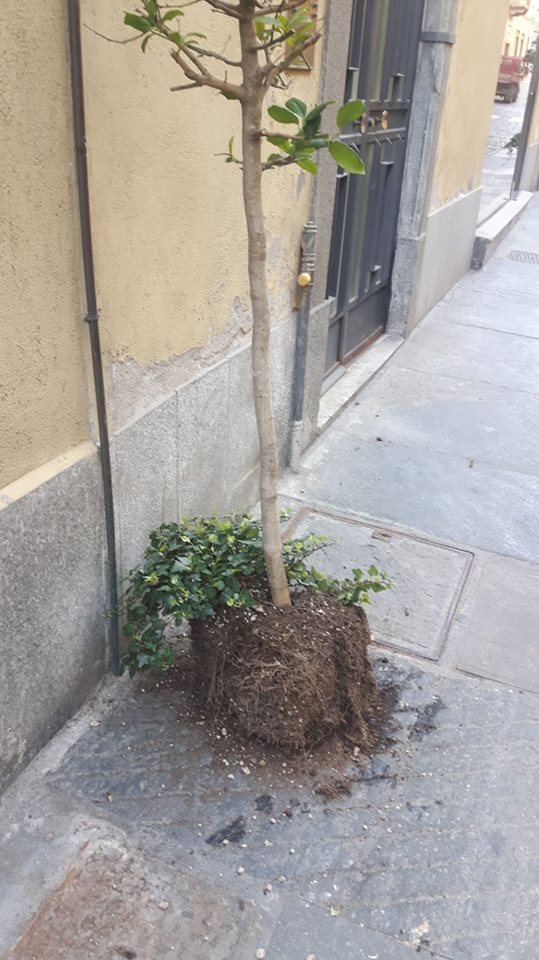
{"x": 112, "y": 840}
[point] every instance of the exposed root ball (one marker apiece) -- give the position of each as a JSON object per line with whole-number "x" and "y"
{"x": 289, "y": 676}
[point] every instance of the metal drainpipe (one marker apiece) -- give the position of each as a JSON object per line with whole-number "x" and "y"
{"x": 92, "y": 319}
{"x": 305, "y": 283}
{"x": 526, "y": 128}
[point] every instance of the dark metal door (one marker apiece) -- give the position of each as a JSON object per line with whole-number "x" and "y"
{"x": 381, "y": 68}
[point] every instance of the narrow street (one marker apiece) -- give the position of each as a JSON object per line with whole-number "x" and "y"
{"x": 133, "y": 836}
{"x": 499, "y": 163}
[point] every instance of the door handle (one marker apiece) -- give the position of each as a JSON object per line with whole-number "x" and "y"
{"x": 369, "y": 123}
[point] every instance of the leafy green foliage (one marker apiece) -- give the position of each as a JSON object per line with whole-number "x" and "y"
{"x": 287, "y": 31}
{"x": 309, "y": 139}
{"x": 347, "y": 158}
{"x": 350, "y": 112}
{"x": 193, "y": 567}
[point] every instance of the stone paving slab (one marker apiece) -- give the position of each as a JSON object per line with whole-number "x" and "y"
{"x": 476, "y": 421}
{"x": 304, "y": 931}
{"x": 427, "y": 578}
{"x": 496, "y": 631}
{"x": 123, "y": 906}
{"x": 446, "y": 497}
{"x": 501, "y": 275}
{"x": 435, "y": 846}
{"x": 474, "y": 354}
{"x": 492, "y": 311}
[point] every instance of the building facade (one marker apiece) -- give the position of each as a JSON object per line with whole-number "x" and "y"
{"x": 521, "y": 30}
{"x": 169, "y": 261}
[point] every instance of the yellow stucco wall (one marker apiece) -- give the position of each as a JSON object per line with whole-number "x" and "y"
{"x": 168, "y": 220}
{"x": 43, "y": 408}
{"x": 168, "y": 225}
{"x": 468, "y": 98}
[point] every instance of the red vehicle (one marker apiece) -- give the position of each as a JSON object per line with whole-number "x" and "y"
{"x": 510, "y": 77}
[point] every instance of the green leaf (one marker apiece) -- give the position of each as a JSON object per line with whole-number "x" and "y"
{"x": 347, "y": 158}
{"x": 227, "y": 95}
{"x": 309, "y": 165}
{"x": 318, "y": 110}
{"x": 142, "y": 24}
{"x": 282, "y": 114}
{"x": 277, "y": 140}
{"x": 349, "y": 112}
{"x": 297, "y": 106}
{"x": 318, "y": 143}
{"x": 171, "y": 15}
{"x": 145, "y": 42}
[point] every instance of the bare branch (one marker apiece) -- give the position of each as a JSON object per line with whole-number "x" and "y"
{"x": 184, "y": 86}
{"x": 110, "y": 39}
{"x": 272, "y": 69}
{"x": 286, "y": 7}
{"x": 216, "y": 56}
{"x": 226, "y": 8}
{"x": 275, "y": 41}
{"x": 204, "y": 78}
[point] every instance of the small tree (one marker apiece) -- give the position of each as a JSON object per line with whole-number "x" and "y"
{"x": 272, "y": 37}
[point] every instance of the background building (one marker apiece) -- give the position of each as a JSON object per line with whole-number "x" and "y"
{"x": 521, "y": 30}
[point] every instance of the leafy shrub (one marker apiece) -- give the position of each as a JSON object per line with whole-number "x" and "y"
{"x": 193, "y": 567}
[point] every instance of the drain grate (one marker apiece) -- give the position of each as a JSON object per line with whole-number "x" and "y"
{"x": 524, "y": 256}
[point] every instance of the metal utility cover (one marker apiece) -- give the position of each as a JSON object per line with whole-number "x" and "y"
{"x": 524, "y": 256}
{"x": 428, "y": 578}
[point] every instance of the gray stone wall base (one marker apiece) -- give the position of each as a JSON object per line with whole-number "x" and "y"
{"x": 492, "y": 231}
{"x": 197, "y": 451}
{"x": 52, "y": 617}
{"x": 314, "y": 370}
{"x": 447, "y": 252}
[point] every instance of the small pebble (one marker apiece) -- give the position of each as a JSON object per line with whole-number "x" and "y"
{"x": 241, "y": 870}
{"x": 268, "y": 888}
{"x": 261, "y": 763}
{"x": 273, "y": 820}
{"x": 225, "y": 843}
{"x": 311, "y": 956}
{"x": 260, "y": 954}
{"x": 164, "y": 905}
{"x": 231, "y": 776}
{"x": 94, "y": 723}
{"x": 246, "y": 771}
{"x": 292, "y": 850}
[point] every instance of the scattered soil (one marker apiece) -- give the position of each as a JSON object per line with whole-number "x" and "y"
{"x": 291, "y": 677}
{"x": 334, "y": 788}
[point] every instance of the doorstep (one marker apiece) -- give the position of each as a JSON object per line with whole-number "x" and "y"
{"x": 355, "y": 377}
{"x": 491, "y": 231}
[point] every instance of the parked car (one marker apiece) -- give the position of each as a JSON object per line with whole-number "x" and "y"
{"x": 510, "y": 76}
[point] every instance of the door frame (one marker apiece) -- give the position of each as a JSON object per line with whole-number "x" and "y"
{"x": 435, "y": 47}
{"x": 359, "y": 321}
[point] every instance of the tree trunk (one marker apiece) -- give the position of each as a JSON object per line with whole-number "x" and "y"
{"x": 256, "y": 234}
